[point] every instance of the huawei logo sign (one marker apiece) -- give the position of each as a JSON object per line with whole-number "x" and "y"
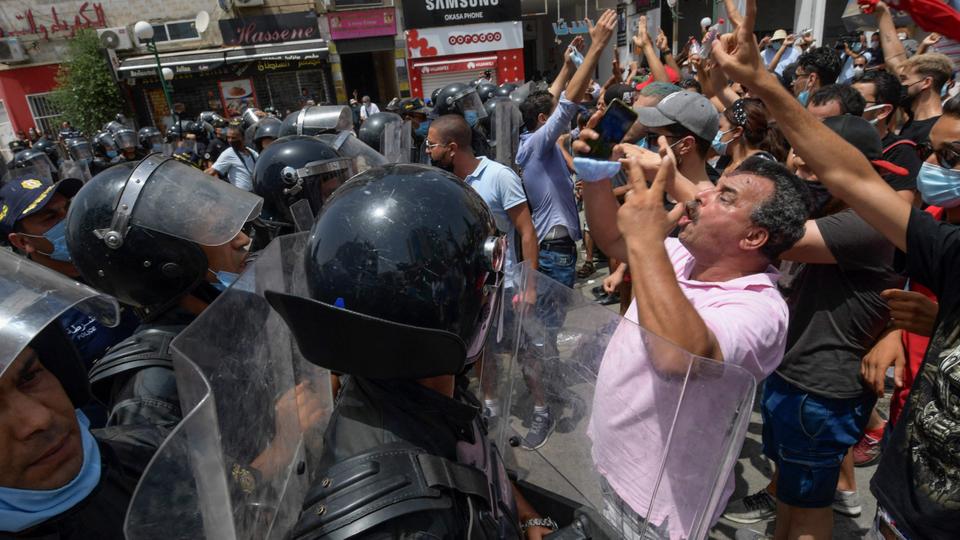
{"x": 489, "y": 37}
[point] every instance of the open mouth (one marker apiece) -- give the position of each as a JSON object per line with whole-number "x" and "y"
{"x": 691, "y": 210}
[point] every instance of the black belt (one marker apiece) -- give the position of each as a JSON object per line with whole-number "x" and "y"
{"x": 561, "y": 245}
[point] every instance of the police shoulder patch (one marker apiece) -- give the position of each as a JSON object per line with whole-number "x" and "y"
{"x": 3, "y": 212}
{"x": 31, "y": 183}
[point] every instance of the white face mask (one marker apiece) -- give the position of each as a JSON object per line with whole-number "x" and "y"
{"x": 857, "y": 71}
{"x": 874, "y": 108}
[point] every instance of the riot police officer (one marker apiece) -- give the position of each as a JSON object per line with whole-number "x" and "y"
{"x": 405, "y": 262}
{"x": 463, "y": 99}
{"x": 36, "y": 160}
{"x": 151, "y": 140}
{"x": 317, "y": 119}
{"x": 51, "y": 149}
{"x": 388, "y": 134}
{"x": 164, "y": 239}
{"x": 60, "y": 479}
{"x": 293, "y": 169}
{"x": 127, "y": 141}
{"x": 180, "y": 135}
{"x": 267, "y": 130}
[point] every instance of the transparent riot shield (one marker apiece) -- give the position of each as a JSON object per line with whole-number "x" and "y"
{"x": 75, "y": 169}
{"x": 239, "y": 463}
{"x": 350, "y": 146}
{"x": 396, "y": 140}
{"x": 506, "y": 126}
{"x": 645, "y": 434}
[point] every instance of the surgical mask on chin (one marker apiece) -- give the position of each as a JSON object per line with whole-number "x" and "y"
{"x": 111, "y": 154}
{"x": 224, "y": 279}
{"x": 939, "y": 186}
{"x": 803, "y": 97}
{"x": 57, "y": 236}
{"x": 471, "y": 117}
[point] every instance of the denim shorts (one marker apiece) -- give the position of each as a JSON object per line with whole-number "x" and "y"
{"x": 807, "y": 436}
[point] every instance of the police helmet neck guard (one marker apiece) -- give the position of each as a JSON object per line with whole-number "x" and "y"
{"x": 406, "y": 263}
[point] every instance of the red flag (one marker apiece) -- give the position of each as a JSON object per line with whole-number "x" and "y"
{"x": 931, "y": 15}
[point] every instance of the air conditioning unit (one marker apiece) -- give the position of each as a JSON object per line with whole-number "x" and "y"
{"x": 247, "y": 3}
{"x": 11, "y": 51}
{"x": 117, "y": 39}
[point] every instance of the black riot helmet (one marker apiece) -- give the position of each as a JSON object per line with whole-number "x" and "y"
{"x": 134, "y": 231}
{"x": 249, "y": 116}
{"x": 126, "y": 138}
{"x": 298, "y": 167}
{"x": 79, "y": 149}
{"x": 371, "y": 132}
{"x": 32, "y": 298}
{"x": 486, "y": 91}
{"x": 150, "y": 139}
{"x": 405, "y": 262}
{"x": 460, "y": 99}
{"x": 433, "y": 96}
{"x": 317, "y": 119}
{"x": 506, "y": 89}
{"x": 213, "y": 119}
{"x": 114, "y": 126}
{"x": 266, "y": 128}
{"x": 393, "y": 105}
{"x": 36, "y": 159}
{"x": 49, "y": 148}
{"x": 103, "y": 143}
{"x": 17, "y": 145}
{"x": 180, "y": 130}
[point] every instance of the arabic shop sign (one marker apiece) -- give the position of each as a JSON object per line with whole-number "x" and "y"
{"x": 262, "y": 29}
{"x": 49, "y": 23}
{"x": 433, "y": 13}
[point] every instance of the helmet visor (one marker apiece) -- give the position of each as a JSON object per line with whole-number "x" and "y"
{"x": 322, "y": 178}
{"x": 126, "y": 139}
{"x": 181, "y": 201}
{"x": 80, "y": 150}
{"x": 32, "y": 296}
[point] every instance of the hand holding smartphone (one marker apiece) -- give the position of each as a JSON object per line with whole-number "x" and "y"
{"x": 614, "y": 124}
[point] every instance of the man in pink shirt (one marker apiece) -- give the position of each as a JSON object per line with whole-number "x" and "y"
{"x": 712, "y": 292}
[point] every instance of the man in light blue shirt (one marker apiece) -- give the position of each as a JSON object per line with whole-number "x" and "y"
{"x": 237, "y": 162}
{"x": 790, "y": 55}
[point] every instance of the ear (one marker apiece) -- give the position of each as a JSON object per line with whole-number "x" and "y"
{"x": 755, "y": 239}
{"x": 927, "y": 83}
{"x": 20, "y": 244}
{"x": 813, "y": 79}
{"x": 542, "y": 118}
{"x": 887, "y": 111}
{"x": 453, "y": 148}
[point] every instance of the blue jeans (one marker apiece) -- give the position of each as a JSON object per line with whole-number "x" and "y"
{"x": 807, "y": 436}
{"x": 559, "y": 266}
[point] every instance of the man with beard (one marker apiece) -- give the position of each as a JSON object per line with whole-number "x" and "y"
{"x": 237, "y": 162}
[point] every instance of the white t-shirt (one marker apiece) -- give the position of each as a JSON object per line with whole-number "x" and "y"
{"x": 239, "y": 171}
{"x": 368, "y": 109}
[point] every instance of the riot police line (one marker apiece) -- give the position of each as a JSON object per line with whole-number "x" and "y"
{"x": 305, "y": 363}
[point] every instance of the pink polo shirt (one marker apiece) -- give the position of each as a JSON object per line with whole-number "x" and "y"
{"x": 633, "y": 408}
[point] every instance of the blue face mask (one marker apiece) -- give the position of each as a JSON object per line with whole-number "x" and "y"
{"x": 939, "y": 186}
{"x": 224, "y": 279}
{"x": 471, "y": 117}
{"x": 804, "y": 97}
{"x": 721, "y": 146}
{"x": 21, "y": 509}
{"x": 642, "y": 143}
{"x": 57, "y": 236}
{"x": 111, "y": 154}
{"x": 856, "y": 47}
{"x": 422, "y": 129}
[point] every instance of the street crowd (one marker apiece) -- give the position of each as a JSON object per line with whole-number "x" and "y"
{"x": 762, "y": 201}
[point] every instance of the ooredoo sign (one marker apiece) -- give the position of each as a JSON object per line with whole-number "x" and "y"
{"x": 433, "y": 13}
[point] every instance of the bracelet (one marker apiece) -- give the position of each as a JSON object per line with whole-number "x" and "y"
{"x": 549, "y": 523}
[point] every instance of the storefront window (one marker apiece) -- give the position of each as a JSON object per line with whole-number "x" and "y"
{"x": 175, "y": 31}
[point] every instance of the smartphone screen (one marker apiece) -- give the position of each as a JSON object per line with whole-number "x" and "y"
{"x": 614, "y": 124}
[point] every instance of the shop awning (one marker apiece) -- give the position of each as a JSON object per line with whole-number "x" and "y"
{"x": 206, "y": 59}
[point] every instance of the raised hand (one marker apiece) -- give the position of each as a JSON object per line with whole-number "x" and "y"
{"x": 662, "y": 42}
{"x": 642, "y": 214}
{"x": 738, "y": 55}
{"x": 642, "y": 37}
{"x": 601, "y": 32}
{"x": 733, "y": 14}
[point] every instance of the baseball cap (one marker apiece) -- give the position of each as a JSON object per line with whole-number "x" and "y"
{"x": 779, "y": 35}
{"x": 688, "y": 109}
{"x": 622, "y": 92}
{"x": 864, "y": 137}
{"x": 413, "y": 105}
{"x": 671, "y": 74}
{"x": 25, "y": 196}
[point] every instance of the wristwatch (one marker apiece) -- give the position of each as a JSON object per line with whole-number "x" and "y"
{"x": 539, "y": 522}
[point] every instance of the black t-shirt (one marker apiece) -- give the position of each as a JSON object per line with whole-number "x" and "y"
{"x": 836, "y": 312}
{"x": 903, "y": 154}
{"x": 918, "y": 131}
{"x": 918, "y": 479}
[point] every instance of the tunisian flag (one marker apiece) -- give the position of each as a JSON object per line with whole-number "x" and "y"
{"x": 931, "y": 15}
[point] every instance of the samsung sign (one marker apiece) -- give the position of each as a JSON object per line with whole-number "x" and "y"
{"x": 432, "y": 13}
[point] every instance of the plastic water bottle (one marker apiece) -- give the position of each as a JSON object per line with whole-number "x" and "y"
{"x": 711, "y": 36}
{"x": 575, "y": 56}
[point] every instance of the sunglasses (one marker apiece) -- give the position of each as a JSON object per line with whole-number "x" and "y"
{"x": 947, "y": 156}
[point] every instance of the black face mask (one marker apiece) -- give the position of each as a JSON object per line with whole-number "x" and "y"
{"x": 438, "y": 163}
